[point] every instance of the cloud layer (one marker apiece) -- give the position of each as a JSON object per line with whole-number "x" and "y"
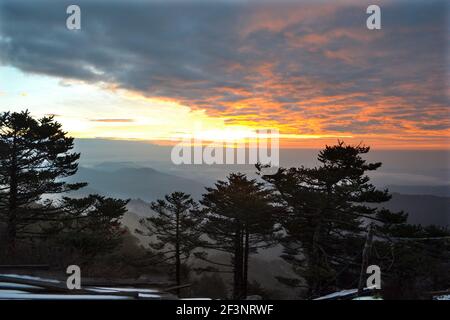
{"x": 305, "y": 67}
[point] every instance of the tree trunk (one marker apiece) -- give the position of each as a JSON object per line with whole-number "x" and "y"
{"x": 238, "y": 266}
{"x": 246, "y": 256}
{"x": 314, "y": 263}
{"x": 365, "y": 259}
{"x": 11, "y": 232}
{"x": 177, "y": 255}
{"x": 11, "y": 229}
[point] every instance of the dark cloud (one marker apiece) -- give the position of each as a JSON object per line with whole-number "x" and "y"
{"x": 280, "y": 61}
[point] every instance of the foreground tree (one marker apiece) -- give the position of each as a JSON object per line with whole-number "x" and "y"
{"x": 240, "y": 219}
{"x": 330, "y": 208}
{"x": 415, "y": 260}
{"x": 88, "y": 226}
{"x": 177, "y": 227}
{"x": 34, "y": 158}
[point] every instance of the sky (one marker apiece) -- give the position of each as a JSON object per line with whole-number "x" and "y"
{"x": 161, "y": 70}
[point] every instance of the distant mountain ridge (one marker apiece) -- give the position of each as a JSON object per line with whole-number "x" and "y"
{"x": 442, "y": 191}
{"x": 128, "y": 182}
{"x": 422, "y": 209}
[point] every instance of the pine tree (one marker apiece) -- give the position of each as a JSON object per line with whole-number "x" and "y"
{"x": 240, "y": 219}
{"x": 89, "y": 226}
{"x": 415, "y": 260}
{"x": 34, "y": 158}
{"x": 329, "y": 208}
{"x": 178, "y": 229}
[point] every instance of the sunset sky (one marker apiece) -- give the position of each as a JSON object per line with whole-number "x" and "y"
{"x": 155, "y": 70}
